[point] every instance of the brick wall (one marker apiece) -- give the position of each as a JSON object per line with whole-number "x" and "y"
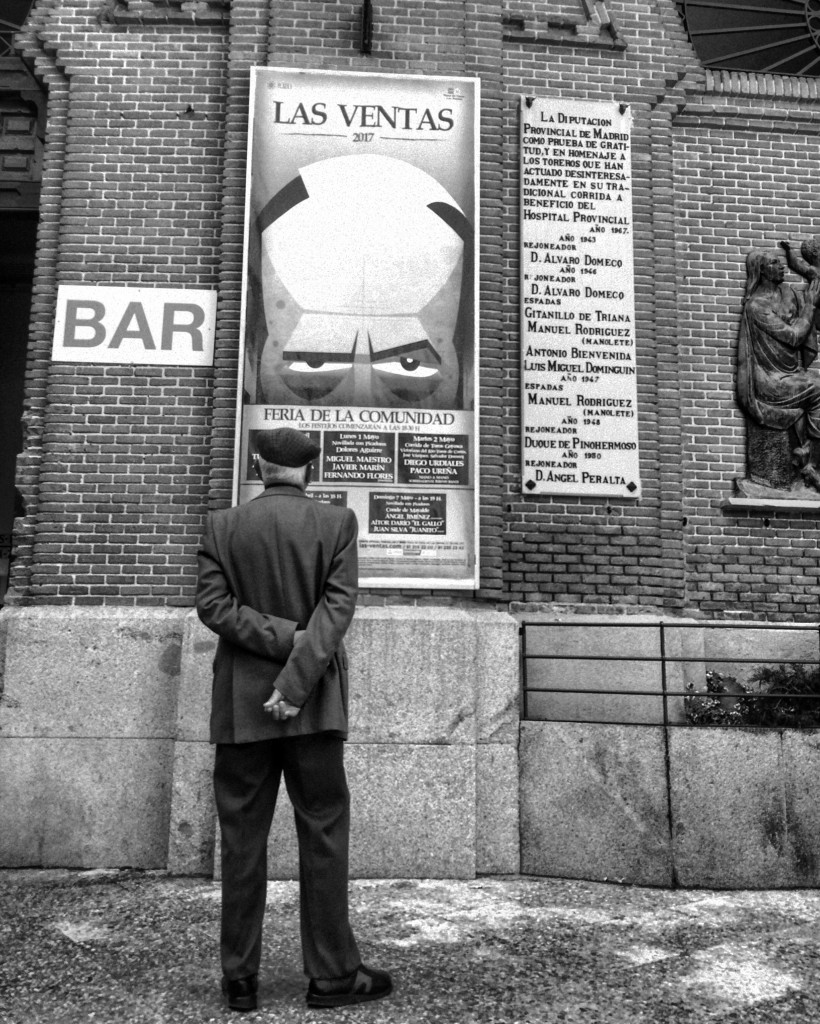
{"x": 115, "y": 471}
{"x": 739, "y": 147}
{"x": 447, "y": 38}
{"x": 144, "y": 179}
{"x": 585, "y": 550}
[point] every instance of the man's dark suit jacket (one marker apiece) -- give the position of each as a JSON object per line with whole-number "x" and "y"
{"x": 279, "y": 563}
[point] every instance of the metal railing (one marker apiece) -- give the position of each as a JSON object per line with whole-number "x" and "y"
{"x": 791, "y": 698}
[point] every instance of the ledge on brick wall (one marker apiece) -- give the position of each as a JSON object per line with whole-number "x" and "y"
{"x": 771, "y": 505}
{"x": 747, "y": 83}
{"x": 165, "y": 12}
{"x": 597, "y": 30}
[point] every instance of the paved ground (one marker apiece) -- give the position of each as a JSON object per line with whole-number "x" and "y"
{"x": 141, "y": 948}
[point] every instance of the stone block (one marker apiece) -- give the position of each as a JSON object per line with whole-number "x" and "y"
{"x": 84, "y": 803}
{"x": 497, "y": 820}
{"x": 193, "y": 815}
{"x": 413, "y": 811}
{"x": 638, "y": 648}
{"x": 593, "y": 803}
{"x": 584, "y": 636}
{"x": 498, "y": 685}
{"x": 563, "y": 657}
{"x": 81, "y": 672}
{"x": 195, "y": 680}
{"x": 412, "y": 675}
{"x": 744, "y": 807}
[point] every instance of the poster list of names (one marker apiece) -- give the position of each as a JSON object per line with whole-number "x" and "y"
{"x": 406, "y": 473}
{"x": 579, "y": 389}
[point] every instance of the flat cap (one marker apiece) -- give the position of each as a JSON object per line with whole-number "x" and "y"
{"x": 286, "y": 447}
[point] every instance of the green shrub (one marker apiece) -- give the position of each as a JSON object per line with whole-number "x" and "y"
{"x": 781, "y": 696}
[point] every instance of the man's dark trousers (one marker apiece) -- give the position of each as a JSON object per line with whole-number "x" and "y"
{"x": 246, "y": 783}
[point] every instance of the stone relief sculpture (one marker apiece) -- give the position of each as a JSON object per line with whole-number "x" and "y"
{"x": 778, "y": 385}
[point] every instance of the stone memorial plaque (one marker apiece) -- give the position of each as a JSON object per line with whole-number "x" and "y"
{"x": 579, "y": 388}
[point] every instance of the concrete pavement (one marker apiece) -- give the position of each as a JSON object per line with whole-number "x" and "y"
{"x": 124, "y": 947}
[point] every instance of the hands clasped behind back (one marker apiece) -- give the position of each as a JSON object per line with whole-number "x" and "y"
{"x": 279, "y": 708}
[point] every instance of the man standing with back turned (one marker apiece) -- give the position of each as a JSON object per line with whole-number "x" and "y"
{"x": 277, "y": 583}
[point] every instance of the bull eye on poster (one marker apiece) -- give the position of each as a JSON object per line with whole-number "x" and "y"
{"x": 359, "y": 306}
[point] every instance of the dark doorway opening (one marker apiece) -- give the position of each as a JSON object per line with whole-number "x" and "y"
{"x": 18, "y": 236}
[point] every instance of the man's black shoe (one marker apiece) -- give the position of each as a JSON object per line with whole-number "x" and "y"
{"x": 240, "y": 993}
{"x": 363, "y": 985}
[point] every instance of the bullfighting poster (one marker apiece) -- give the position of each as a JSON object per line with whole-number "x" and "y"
{"x": 359, "y": 307}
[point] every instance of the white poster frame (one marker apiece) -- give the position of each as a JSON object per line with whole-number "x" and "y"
{"x": 469, "y": 580}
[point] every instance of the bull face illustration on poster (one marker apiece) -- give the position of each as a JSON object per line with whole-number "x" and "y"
{"x": 363, "y": 284}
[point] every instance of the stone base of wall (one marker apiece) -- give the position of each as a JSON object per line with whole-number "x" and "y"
{"x": 645, "y": 804}
{"x": 105, "y": 760}
{"x": 87, "y": 735}
{"x": 744, "y": 808}
{"x": 737, "y": 811}
{"x": 594, "y": 804}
